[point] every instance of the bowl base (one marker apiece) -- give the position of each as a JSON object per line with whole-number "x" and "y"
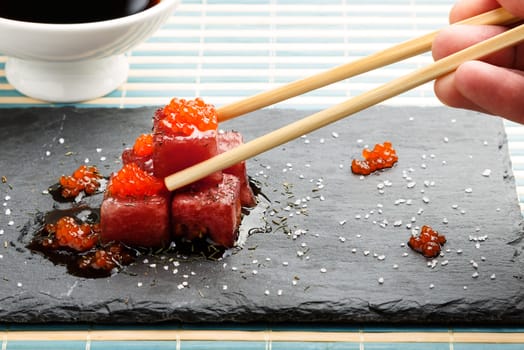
{"x": 67, "y": 82}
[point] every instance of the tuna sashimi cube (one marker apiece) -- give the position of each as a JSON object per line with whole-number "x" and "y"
{"x": 213, "y": 212}
{"x": 172, "y": 153}
{"x": 141, "y": 153}
{"x": 135, "y": 209}
{"x": 144, "y": 162}
{"x": 140, "y": 222}
{"x": 229, "y": 140}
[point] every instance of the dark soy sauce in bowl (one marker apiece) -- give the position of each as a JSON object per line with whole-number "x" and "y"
{"x": 71, "y": 11}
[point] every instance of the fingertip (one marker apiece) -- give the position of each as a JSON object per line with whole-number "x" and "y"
{"x": 447, "y": 91}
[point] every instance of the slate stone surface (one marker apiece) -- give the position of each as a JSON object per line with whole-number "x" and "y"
{"x": 333, "y": 235}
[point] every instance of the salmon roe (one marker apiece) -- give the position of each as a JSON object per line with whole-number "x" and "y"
{"x": 69, "y": 233}
{"x": 84, "y": 178}
{"x": 106, "y": 258}
{"x": 132, "y": 181}
{"x": 143, "y": 145}
{"x": 382, "y": 156}
{"x": 183, "y": 117}
{"x": 429, "y": 242}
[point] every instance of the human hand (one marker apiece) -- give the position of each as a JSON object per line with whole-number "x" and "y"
{"x": 494, "y": 85}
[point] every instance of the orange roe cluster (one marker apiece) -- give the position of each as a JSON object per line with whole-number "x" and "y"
{"x": 183, "y": 117}
{"x": 85, "y": 178}
{"x": 143, "y": 145}
{"x": 382, "y": 156}
{"x": 106, "y": 258}
{"x": 429, "y": 242}
{"x": 132, "y": 181}
{"x": 69, "y": 233}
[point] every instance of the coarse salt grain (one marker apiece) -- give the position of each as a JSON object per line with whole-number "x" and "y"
{"x": 381, "y": 280}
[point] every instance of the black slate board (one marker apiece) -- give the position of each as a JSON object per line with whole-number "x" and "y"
{"x": 342, "y": 233}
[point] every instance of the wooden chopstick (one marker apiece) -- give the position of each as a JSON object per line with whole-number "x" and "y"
{"x": 337, "y": 112}
{"x": 383, "y": 58}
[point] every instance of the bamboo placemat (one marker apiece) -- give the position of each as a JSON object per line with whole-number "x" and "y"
{"x": 224, "y": 50}
{"x": 262, "y": 337}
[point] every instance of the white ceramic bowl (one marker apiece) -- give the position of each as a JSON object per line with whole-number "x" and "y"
{"x": 75, "y": 62}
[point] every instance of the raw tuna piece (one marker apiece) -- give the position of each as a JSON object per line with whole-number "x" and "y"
{"x": 135, "y": 209}
{"x": 173, "y": 153}
{"x": 141, "y": 153}
{"x": 229, "y": 140}
{"x": 185, "y": 133}
{"x": 144, "y": 162}
{"x": 136, "y": 222}
{"x": 213, "y": 212}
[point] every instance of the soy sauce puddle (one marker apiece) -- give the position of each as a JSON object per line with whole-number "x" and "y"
{"x": 252, "y": 223}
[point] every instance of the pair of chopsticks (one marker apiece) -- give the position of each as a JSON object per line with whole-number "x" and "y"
{"x": 353, "y": 105}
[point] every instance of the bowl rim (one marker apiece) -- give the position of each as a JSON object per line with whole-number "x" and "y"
{"x": 153, "y": 11}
